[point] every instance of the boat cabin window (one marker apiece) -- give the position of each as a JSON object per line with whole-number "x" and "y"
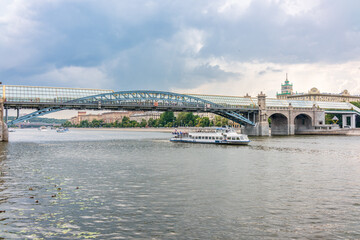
{"x": 220, "y": 138}
{"x": 229, "y": 138}
{"x": 237, "y": 138}
{"x": 213, "y": 138}
{"x": 217, "y": 138}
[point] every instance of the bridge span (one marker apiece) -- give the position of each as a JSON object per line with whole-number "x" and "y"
{"x": 287, "y": 117}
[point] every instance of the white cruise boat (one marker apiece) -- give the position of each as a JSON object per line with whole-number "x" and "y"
{"x": 216, "y": 136}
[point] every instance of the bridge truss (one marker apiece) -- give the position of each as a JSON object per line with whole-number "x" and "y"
{"x": 136, "y": 101}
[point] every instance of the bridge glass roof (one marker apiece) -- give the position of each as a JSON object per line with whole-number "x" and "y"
{"x": 55, "y": 94}
{"x": 45, "y": 94}
{"x": 272, "y": 102}
{"x": 228, "y": 100}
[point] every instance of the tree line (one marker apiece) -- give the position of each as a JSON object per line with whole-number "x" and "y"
{"x": 167, "y": 119}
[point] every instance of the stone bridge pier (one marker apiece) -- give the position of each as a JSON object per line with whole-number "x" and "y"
{"x": 261, "y": 127}
{"x": 4, "y": 134}
{"x": 284, "y": 121}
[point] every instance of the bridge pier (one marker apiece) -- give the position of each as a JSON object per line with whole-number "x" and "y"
{"x": 4, "y": 134}
{"x": 291, "y": 124}
{"x": 261, "y": 127}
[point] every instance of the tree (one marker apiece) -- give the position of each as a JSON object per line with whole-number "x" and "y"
{"x": 166, "y": 117}
{"x": 218, "y": 121}
{"x": 224, "y": 121}
{"x": 84, "y": 124}
{"x": 96, "y": 123}
{"x": 205, "y": 122}
{"x": 133, "y": 124}
{"x": 357, "y": 104}
{"x": 125, "y": 122}
{"x": 151, "y": 122}
{"x": 143, "y": 123}
{"x": 67, "y": 124}
{"x": 186, "y": 119}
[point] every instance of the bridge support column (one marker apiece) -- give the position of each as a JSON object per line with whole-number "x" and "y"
{"x": 291, "y": 122}
{"x": 262, "y": 125}
{"x": 4, "y": 134}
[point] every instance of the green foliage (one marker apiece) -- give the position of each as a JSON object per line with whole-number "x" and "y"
{"x": 167, "y": 119}
{"x": 143, "y": 123}
{"x": 67, "y": 124}
{"x": 152, "y": 122}
{"x": 357, "y": 104}
{"x": 186, "y": 119}
{"x": 329, "y": 117}
{"x": 84, "y": 124}
{"x": 218, "y": 121}
{"x": 225, "y": 121}
{"x": 96, "y": 123}
{"x": 203, "y": 122}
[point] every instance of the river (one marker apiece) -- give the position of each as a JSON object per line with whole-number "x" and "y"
{"x": 137, "y": 185}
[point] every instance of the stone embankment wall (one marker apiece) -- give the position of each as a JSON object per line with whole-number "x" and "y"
{"x": 347, "y": 132}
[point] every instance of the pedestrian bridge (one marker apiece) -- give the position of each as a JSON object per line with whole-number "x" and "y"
{"x": 287, "y": 116}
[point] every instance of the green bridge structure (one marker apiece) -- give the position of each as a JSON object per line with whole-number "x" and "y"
{"x": 288, "y": 117}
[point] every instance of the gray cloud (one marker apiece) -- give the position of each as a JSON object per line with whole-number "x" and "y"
{"x": 144, "y": 44}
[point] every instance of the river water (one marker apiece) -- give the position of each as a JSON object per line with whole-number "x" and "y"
{"x": 137, "y": 185}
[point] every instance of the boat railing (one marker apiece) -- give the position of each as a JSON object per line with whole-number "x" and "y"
{"x": 205, "y": 129}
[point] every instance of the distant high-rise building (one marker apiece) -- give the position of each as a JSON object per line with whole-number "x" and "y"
{"x": 286, "y": 89}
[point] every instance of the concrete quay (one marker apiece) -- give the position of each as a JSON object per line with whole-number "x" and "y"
{"x": 341, "y": 131}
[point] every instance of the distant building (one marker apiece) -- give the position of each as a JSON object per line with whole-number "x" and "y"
{"x": 139, "y": 116}
{"x": 315, "y": 95}
{"x": 82, "y": 116}
{"x": 111, "y": 117}
{"x": 286, "y": 90}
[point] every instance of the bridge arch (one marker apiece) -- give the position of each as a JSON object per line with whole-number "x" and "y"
{"x": 141, "y": 100}
{"x": 302, "y": 122}
{"x": 279, "y": 124}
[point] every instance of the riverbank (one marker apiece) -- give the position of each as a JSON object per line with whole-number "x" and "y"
{"x": 166, "y": 130}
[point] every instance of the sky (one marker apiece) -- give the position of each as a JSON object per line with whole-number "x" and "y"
{"x": 224, "y": 47}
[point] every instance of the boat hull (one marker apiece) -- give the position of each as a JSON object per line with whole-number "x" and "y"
{"x": 222, "y": 142}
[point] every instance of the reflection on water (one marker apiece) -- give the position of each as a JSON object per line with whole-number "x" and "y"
{"x": 122, "y": 185}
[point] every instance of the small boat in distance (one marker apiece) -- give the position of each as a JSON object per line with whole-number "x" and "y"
{"x": 11, "y": 130}
{"x": 62, "y": 130}
{"x": 42, "y": 128}
{"x": 225, "y": 135}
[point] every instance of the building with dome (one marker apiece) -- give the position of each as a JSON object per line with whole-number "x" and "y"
{"x": 314, "y": 94}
